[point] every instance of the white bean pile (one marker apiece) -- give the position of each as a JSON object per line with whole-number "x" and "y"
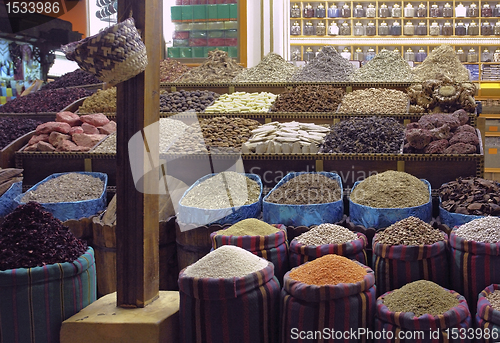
{"x": 326, "y": 234}
{"x": 228, "y": 261}
{"x": 484, "y": 230}
{"x": 170, "y": 130}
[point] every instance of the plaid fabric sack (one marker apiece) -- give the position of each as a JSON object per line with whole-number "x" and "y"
{"x": 487, "y": 319}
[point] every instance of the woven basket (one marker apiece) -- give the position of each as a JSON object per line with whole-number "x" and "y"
{"x": 114, "y": 55}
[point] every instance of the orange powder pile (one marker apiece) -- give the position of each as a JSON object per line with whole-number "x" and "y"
{"x": 329, "y": 270}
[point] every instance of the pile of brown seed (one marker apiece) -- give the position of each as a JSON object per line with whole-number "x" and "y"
{"x": 218, "y": 68}
{"x": 374, "y": 101}
{"x": 441, "y": 61}
{"x": 103, "y": 101}
{"x": 410, "y": 231}
{"x": 494, "y": 299}
{"x": 421, "y": 297}
{"x": 319, "y": 98}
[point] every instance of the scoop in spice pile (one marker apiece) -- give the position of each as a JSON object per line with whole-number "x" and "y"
{"x": 249, "y": 227}
{"x": 391, "y": 189}
{"x": 326, "y": 234}
{"x": 31, "y": 237}
{"x": 409, "y": 231}
{"x": 329, "y": 270}
{"x": 421, "y": 297}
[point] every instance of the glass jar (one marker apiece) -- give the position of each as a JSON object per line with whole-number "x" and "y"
{"x": 496, "y": 56}
{"x": 421, "y": 10}
{"x": 486, "y": 28}
{"x": 296, "y": 54}
{"x": 359, "y": 29}
{"x": 370, "y": 54}
{"x": 333, "y": 29}
{"x": 308, "y": 11}
{"x": 320, "y": 11}
{"x": 409, "y": 55}
{"x": 435, "y": 11}
{"x": 396, "y": 11}
{"x": 473, "y": 11}
{"x": 295, "y": 29}
{"x": 317, "y": 52}
{"x": 409, "y": 11}
{"x": 473, "y": 29}
{"x": 359, "y": 55}
{"x": 345, "y": 11}
{"x": 371, "y": 30}
{"x": 496, "y": 29}
{"x": 421, "y": 29}
{"x": 320, "y": 29}
{"x": 309, "y": 29}
{"x": 409, "y": 29}
{"x": 472, "y": 56}
{"x": 383, "y": 29}
{"x": 486, "y": 11}
{"x": 295, "y": 11}
{"x": 461, "y": 55}
{"x": 345, "y": 29}
{"x": 333, "y": 11}
{"x": 358, "y": 11}
{"x": 447, "y": 11}
{"x": 460, "y": 29}
{"x": 496, "y": 10}
{"x": 371, "y": 11}
{"x": 434, "y": 29}
{"x": 447, "y": 29}
{"x": 460, "y": 11}
{"x": 383, "y": 11}
{"x": 346, "y": 53}
{"x": 395, "y": 29}
{"x": 486, "y": 56}
{"x": 309, "y": 54}
{"x": 396, "y": 50}
{"x": 421, "y": 55}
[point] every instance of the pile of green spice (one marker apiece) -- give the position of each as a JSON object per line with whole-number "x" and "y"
{"x": 306, "y": 189}
{"x": 249, "y": 227}
{"x": 494, "y": 299}
{"x": 224, "y": 190}
{"x": 386, "y": 66}
{"x": 410, "y": 231}
{"x": 326, "y": 234}
{"x": 391, "y": 189}
{"x": 421, "y": 297}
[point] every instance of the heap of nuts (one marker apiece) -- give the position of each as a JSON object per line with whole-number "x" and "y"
{"x": 314, "y": 98}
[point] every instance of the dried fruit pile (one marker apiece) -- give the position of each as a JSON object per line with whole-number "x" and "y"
{"x": 170, "y": 70}
{"x": 51, "y": 100}
{"x": 72, "y": 79}
{"x": 13, "y": 128}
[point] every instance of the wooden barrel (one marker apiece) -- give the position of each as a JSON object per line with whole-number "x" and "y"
{"x": 105, "y": 256}
{"x": 81, "y": 228}
{"x": 193, "y": 242}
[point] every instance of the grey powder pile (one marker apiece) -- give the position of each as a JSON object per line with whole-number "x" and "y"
{"x": 228, "y": 261}
{"x": 484, "y": 230}
{"x": 328, "y": 65}
{"x": 273, "y": 68}
{"x": 326, "y": 234}
{"x": 387, "y": 66}
{"x": 66, "y": 188}
{"x": 441, "y": 61}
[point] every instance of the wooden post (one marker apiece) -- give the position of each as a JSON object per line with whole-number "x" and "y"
{"x": 137, "y": 257}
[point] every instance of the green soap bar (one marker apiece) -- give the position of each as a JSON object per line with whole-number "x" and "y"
{"x": 232, "y": 51}
{"x": 212, "y": 12}
{"x": 233, "y": 11}
{"x": 174, "y": 52}
{"x": 176, "y": 13}
{"x": 223, "y": 11}
{"x": 199, "y": 12}
{"x": 187, "y": 12}
{"x": 198, "y": 51}
{"x": 186, "y": 52}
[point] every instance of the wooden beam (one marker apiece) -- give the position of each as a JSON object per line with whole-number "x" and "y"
{"x": 137, "y": 257}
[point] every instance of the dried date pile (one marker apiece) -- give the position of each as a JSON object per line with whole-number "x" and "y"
{"x": 386, "y": 66}
{"x": 319, "y": 98}
{"x": 102, "y": 101}
{"x": 13, "y": 128}
{"x": 310, "y": 188}
{"x": 273, "y": 68}
{"x": 374, "y": 101}
{"x": 327, "y": 66}
{"x": 51, "y": 100}
{"x": 170, "y": 70}
{"x": 31, "y": 237}
{"x": 75, "y": 78}
{"x": 364, "y": 135}
{"x": 441, "y": 133}
{"x": 218, "y": 68}
{"x": 471, "y": 195}
{"x": 441, "y": 61}
{"x": 219, "y": 134}
{"x": 182, "y": 100}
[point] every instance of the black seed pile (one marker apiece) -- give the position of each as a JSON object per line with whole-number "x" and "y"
{"x": 186, "y": 100}
{"x": 72, "y": 79}
{"x": 364, "y": 135}
{"x": 32, "y": 237}
{"x": 13, "y": 128}
{"x": 51, "y": 100}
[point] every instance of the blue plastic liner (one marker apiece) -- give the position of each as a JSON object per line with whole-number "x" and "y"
{"x": 451, "y": 219}
{"x": 372, "y": 217}
{"x": 7, "y": 203}
{"x": 76, "y": 209}
{"x": 304, "y": 215}
{"x": 230, "y": 215}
